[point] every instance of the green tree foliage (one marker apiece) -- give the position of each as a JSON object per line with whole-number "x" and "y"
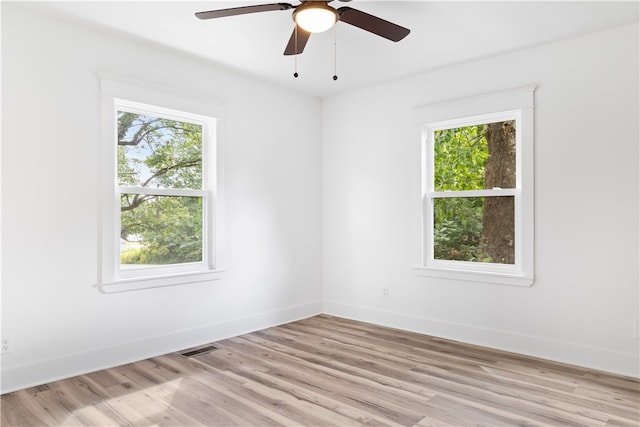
{"x": 460, "y": 157}
{"x": 159, "y": 153}
{"x": 458, "y": 229}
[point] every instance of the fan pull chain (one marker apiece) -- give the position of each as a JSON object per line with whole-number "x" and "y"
{"x": 335, "y": 55}
{"x": 295, "y": 54}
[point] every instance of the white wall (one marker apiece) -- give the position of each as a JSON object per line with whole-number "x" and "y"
{"x": 59, "y": 323}
{"x": 584, "y": 303}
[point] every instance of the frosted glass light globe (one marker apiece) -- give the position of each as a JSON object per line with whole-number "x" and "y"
{"x": 315, "y": 18}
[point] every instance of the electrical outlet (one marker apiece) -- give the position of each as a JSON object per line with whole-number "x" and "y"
{"x": 6, "y": 345}
{"x": 385, "y": 292}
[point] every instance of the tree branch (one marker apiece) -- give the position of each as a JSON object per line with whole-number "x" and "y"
{"x": 138, "y": 199}
{"x": 163, "y": 171}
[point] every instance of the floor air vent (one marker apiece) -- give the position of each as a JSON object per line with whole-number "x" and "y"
{"x": 197, "y": 350}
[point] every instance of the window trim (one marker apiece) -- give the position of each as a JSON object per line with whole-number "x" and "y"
{"x": 516, "y": 104}
{"x": 117, "y": 94}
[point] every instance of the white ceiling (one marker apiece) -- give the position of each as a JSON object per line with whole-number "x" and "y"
{"x": 442, "y": 33}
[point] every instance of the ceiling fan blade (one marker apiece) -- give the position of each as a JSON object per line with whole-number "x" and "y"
{"x": 295, "y": 47}
{"x": 373, "y": 24}
{"x": 221, "y": 13}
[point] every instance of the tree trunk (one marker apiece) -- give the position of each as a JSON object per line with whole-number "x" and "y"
{"x": 498, "y": 215}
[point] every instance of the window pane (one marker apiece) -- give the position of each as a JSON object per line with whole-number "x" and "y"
{"x": 158, "y": 153}
{"x": 476, "y": 229}
{"x": 160, "y": 230}
{"x": 475, "y": 157}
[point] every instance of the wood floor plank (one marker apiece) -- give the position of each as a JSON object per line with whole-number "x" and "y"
{"x": 403, "y": 348}
{"x": 329, "y": 371}
{"x": 153, "y": 406}
{"x": 359, "y": 416}
{"x": 331, "y": 383}
{"x": 450, "y": 412}
{"x": 400, "y": 370}
{"x": 20, "y": 409}
{"x": 326, "y": 377}
{"x": 212, "y": 407}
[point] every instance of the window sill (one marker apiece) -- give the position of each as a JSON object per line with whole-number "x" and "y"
{"x": 158, "y": 281}
{"x": 488, "y": 277}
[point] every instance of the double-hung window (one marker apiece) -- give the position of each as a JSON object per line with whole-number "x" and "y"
{"x": 477, "y": 188}
{"x": 160, "y": 196}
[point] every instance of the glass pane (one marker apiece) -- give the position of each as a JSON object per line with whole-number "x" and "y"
{"x": 475, "y": 157}
{"x": 160, "y": 230}
{"x": 476, "y": 229}
{"x": 158, "y": 153}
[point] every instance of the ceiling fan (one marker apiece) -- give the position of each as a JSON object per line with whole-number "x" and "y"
{"x": 316, "y": 17}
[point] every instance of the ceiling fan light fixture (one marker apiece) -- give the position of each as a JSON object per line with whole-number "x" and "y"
{"x": 315, "y": 17}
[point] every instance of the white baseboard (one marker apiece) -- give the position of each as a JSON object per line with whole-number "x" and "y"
{"x": 46, "y": 371}
{"x": 627, "y": 364}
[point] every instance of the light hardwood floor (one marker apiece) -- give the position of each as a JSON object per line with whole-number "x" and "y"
{"x": 327, "y": 371}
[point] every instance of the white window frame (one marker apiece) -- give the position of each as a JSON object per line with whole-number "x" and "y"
{"x": 517, "y": 105}
{"x": 119, "y": 94}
